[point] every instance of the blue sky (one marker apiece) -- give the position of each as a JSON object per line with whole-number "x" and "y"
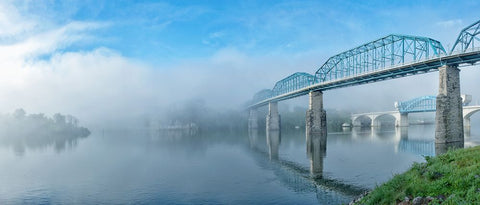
{"x": 166, "y": 31}
{"x": 110, "y": 56}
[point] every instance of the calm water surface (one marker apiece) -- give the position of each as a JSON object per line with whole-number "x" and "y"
{"x": 149, "y": 167}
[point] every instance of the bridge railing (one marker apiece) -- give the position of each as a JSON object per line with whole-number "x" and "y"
{"x": 472, "y": 49}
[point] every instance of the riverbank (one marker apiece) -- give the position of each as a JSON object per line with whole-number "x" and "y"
{"x": 451, "y": 178}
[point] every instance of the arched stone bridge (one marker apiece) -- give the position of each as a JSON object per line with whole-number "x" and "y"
{"x": 421, "y": 104}
{"x": 401, "y": 120}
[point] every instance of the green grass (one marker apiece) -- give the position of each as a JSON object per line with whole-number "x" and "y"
{"x": 455, "y": 175}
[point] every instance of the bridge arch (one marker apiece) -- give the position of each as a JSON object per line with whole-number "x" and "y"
{"x": 468, "y": 111}
{"x": 362, "y": 121}
{"x": 376, "y": 122}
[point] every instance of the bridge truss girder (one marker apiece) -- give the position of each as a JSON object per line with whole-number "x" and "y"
{"x": 377, "y": 55}
{"x": 467, "y": 38}
{"x": 293, "y": 82}
{"x": 262, "y": 95}
{"x": 420, "y": 104}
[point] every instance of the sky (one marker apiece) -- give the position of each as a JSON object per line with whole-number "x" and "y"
{"x": 100, "y": 60}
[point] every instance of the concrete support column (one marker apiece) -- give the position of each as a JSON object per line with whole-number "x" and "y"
{"x": 466, "y": 122}
{"x": 316, "y": 130}
{"x": 402, "y": 120}
{"x": 466, "y": 127}
{"x": 375, "y": 122}
{"x": 449, "y": 117}
{"x": 273, "y": 118}
{"x": 253, "y": 119}
{"x": 316, "y": 117}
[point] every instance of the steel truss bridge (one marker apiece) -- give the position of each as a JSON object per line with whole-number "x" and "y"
{"x": 390, "y": 57}
{"x": 425, "y": 104}
{"x": 420, "y": 104}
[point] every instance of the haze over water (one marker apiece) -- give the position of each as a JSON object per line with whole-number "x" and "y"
{"x": 147, "y": 166}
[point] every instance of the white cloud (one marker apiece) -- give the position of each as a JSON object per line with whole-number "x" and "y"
{"x": 102, "y": 84}
{"x": 48, "y": 41}
{"x": 12, "y": 23}
{"x": 449, "y": 23}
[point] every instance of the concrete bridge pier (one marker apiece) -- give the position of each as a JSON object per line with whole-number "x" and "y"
{"x": 468, "y": 111}
{"x": 466, "y": 122}
{"x": 316, "y": 121}
{"x": 449, "y": 117}
{"x": 273, "y": 118}
{"x": 316, "y": 117}
{"x": 253, "y": 119}
{"x": 401, "y": 120}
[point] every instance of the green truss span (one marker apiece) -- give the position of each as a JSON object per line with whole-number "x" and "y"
{"x": 293, "y": 82}
{"x": 467, "y": 38}
{"x": 377, "y": 55}
{"x": 421, "y": 104}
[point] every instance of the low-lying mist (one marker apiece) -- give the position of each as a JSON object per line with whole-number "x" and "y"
{"x": 20, "y": 130}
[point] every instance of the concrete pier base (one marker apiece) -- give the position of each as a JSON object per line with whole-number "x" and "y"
{"x": 316, "y": 133}
{"x": 316, "y": 117}
{"x": 273, "y": 118}
{"x": 466, "y": 122}
{"x": 449, "y": 116}
{"x": 442, "y": 148}
{"x": 253, "y": 119}
{"x": 402, "y": 120}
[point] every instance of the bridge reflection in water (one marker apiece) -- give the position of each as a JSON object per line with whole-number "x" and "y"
{"x": 422, "y": 142}
{"x": 417, "y": 140}
{"x": 295, "y": 176}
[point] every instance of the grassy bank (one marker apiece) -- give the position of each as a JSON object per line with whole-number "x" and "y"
{"x": 452, "y": 178}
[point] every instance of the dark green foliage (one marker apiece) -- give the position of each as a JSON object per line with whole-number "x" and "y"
{"x": 36, "y": 131}
{"x": 455, "y": 175}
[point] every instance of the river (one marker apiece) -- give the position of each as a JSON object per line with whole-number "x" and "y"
{"x": 144, "y": 166}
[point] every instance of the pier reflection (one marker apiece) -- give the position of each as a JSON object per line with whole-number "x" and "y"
{"x": 301, "y": 163}
{"x": 273, "y": 143}
{"x": 316, "y": 152}
{"x": 295, "y": 176}
{"x": 417, "y": 139}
